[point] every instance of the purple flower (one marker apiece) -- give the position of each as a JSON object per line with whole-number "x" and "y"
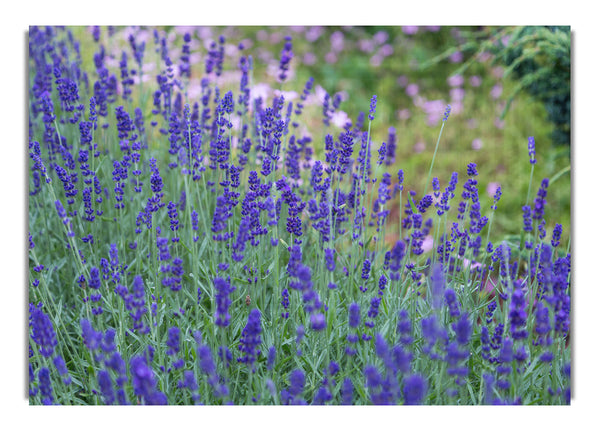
{"x": 374, "y": 309}
{"x": 372, "y": 108}
{"x": 390, "y": 156}
{"x": 472, "y": 170}
{"x": 59, "y": 363}
{"x": 330, "y": 259}
{"x": 556, "y": 234}
{"x": 527, "y": 221}
{"x": 223, "y": 289}
{"x": 250, "y": 341}
{"x": 45, "y": 386}
{"x": 517, "y": 313}
{"x": 415, "y": 388}
{"x": 296, "y": 383}
{"x": 463, "y": 329}
{"x": 318, "y": 322}
{"x": 347, "y": 392}
{"x": 271, "y": 357}
{"x": 42, "y": 331}
{"x": 531, "y": 147}
{"x": 353, "y": 315}
{"x": 174, "y": 220}
{"x": 540, "y": 201}
{"x": 144, "y": 382}
{"x": 106, "y": 387}
{"x": 91, "y": 338}
{"x": 366, "y": 270}
{"x": 404, "y": 327}
{"x": 286, "y": 58}
{"x": 452, "y": 302}
{"x": 446, "y": 113}
{"x": 173, "y": 340}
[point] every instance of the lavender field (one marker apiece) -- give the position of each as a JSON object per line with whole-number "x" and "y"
{"x": 210, "y": 224}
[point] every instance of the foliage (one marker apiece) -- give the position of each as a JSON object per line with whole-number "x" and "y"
{"x": 195, "y": 241}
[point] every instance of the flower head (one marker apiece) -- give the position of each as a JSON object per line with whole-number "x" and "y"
{"x": 250, "y": 341}
{"x": 531, "y": 148}
{"x": 372, "y": 107}
{"x": 415, "y": 388}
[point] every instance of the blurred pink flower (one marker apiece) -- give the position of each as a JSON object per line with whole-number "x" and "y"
{"x": 491, "y": 189}
{"x": 262, "y": 35}
{"x": 183, "y": 29}
{"x": 276, "y": 38}
{"x": 288, "y": 96}
{"x": 455, "y": 80}
{"x": 477, "y": 144}
{"x": 403, "y": 114}
{"x": 484, "y": 56}
{"x": 376, "y": 60}
{"x": 412, "y": 90}
{"x": 204, "y": 32}
{"x": 402, "y": 80}
{"x": 496, "y": 91}
{"x": 320, "y": 93}
{"x": 309, "y": 59}
{"x": 457, "y": 94}
{"x": 410, "y": 29}
{"x": 433, "y": 28}
{"x": 337, "y": 41}
{"x": 330, "y": 57}
{"x": 313, "y": 33}
{"x": 475, "y": 81}
{"x": 260, "y": 90}
{"x": 380, "y": 37}
{"x": 456, "y": 57}
{"x": 427, "y": 243}
{"x": 387, "y": 50}
{"x": 498, "y": 72}
{"x": 419, "y": 147}
{"x": 339, "y": 118}
{"x": 457, "y": 107}
{"x": 434, "y": 110}
{"x": 499, "y": 123}
{"x": 366, "y": 45}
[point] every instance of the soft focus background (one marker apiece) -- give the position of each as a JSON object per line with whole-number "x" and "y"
{"x": 504, "y": 84}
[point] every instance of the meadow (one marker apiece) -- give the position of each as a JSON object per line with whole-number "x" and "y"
{"x": 291, "y": 215}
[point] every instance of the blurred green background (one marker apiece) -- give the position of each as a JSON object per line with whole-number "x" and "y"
{"x": 504, "y": 84}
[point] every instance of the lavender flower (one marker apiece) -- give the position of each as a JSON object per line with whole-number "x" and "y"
{"x": 144, "y": 382}
{"x": 318, "y": 322}
{"x": 106, "y": 387}
{"x": 353, "y": 315}
{"x": 250, "y": 341}
{"x": 446, "y": 113}
{"x": 540, "y": 201}
{"x": 286, "y": 58}
{"x": 531, "y": 148}
{"x": 223, "y": 289}
{"x": 415, "y": 388}
{"x": 294, "y": 395}
{"x": 372, "y": 108}
{"x": 556, "y": 234}
{"x": 61, "y": 367}
{"x": 42, "y": 330}
{"x": 45, "y": 386}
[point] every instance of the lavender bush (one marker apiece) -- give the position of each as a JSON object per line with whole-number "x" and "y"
{"x": 193, "y": 242}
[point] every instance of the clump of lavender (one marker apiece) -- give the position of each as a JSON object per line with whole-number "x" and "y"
{"x": 233, "y": 214}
